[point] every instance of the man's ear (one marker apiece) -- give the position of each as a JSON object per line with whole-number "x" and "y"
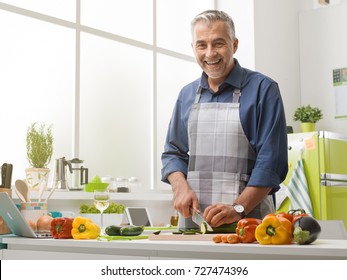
{"x": 235, "y": 44}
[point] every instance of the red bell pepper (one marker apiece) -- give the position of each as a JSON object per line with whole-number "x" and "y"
{"x": 61, "y": 228}
{"x": 246, "y": 229}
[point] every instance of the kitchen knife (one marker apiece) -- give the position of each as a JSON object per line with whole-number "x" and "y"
{"x": 198, "y": 219}
{"x": 8, "y": 177}
{"x": 3, "y": 174}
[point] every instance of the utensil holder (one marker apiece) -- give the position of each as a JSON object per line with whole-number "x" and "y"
{"x": 4, "y": 229}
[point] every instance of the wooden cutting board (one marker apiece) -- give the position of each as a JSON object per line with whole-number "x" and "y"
{"x": 181, "y": 237}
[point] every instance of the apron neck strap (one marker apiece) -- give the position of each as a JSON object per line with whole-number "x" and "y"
{"x": 236, "y": 95}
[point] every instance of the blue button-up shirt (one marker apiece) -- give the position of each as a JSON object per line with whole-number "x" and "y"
{"x": 262, "y": 118}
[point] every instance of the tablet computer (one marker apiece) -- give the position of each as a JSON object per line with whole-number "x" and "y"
{"x": 138, "y": 216}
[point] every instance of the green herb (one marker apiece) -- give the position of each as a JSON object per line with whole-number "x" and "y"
{"x": 307, "y": 114}
{"x": 114, "y": 208}
{"x": 39, "y": 144}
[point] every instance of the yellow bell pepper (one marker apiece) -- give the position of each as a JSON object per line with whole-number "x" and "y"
{"x": 84, "y": 228}
{"x": 274, "y": 230}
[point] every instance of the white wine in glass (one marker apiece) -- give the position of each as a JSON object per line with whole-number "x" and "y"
{"x": 101, "y": 202}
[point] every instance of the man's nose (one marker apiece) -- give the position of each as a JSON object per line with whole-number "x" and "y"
{"x": 210, "y": 51}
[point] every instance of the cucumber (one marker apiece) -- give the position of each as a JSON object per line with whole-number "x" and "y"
{"x": 131, "y": 230}
{"x": 113, "y": 230}
{"x": 226, "y": 228}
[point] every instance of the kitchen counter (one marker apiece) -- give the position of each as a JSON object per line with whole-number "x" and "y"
{"x": 60, "y": 249}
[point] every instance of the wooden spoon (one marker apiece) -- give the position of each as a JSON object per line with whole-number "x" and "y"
{"x": 23, "y": 189}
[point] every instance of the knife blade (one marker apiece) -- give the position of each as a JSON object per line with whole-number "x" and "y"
{"x": 198, "y": 219}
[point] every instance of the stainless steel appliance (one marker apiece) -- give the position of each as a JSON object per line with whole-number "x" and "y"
{"x": 60, "y": 174}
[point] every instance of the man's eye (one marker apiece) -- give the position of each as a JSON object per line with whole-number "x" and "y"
{"x": 200, "y": 46}
{"x": 219, "y": 45}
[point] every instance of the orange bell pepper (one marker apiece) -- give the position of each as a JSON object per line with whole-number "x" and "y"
{"x": 274, "y": 230}
{"x": 246, "y": 229}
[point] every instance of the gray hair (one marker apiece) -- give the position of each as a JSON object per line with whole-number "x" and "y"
{"x": 211, "y": 16}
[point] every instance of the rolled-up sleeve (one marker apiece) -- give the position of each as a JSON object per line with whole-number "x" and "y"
{"x": 268, "y": 136}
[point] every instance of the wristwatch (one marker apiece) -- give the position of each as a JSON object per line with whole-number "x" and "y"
{"x": 239, "y": 210}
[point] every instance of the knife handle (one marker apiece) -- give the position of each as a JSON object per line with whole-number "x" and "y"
{"x": 8, "y": 179}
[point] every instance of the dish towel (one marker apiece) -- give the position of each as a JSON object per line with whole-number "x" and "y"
{"x": 297, "y": 189}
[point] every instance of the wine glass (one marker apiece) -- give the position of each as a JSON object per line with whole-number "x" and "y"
{"x": 101, "y": 202}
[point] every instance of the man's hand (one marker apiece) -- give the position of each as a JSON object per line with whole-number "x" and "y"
{"x": 219, "y": 214}
{"x": 183, "y": 196}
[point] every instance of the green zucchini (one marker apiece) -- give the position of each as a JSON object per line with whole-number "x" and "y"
{"x": 113, "y": 230}
{"x": 226, "y": 228}
{"x": 131, "y": 230}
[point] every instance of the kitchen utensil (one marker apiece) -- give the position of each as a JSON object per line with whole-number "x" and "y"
{"x": 23, "y": 189}
{"x": 8, "y": 179}
{"x": 42, "y": 187}
{"x": 60, "y": 173}
{"x": 198, "y": 219}
{"x": 20, "y": 196}
{"x": 55, "y": 186}
{"x": 78, "y": 175}
{"x": 6, "y": 175}
{"x": 3, "y": 175}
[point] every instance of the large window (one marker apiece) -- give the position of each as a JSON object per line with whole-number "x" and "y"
{"x": 105, "y": 73}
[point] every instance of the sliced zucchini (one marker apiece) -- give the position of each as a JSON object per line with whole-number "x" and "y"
{"x": 226, "y": 228}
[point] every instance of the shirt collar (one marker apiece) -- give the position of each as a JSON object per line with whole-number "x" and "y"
{"x": 234, "y": 78}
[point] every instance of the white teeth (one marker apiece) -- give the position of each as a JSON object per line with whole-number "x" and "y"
{"x": 212, "y": 62}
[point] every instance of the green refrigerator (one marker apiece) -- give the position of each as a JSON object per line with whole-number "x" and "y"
{"x": 324, "y": 157}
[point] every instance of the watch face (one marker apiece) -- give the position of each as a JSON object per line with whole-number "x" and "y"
{"x": 238, "y": 208}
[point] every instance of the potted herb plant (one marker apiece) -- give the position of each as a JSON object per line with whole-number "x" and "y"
{"x": 308, "y": 116}
{"x": 39, "y": 146}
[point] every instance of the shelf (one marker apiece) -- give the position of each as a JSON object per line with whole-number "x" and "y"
{"x": 82, "y": 195}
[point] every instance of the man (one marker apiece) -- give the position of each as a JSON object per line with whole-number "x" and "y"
{"x": 226, "y": 148}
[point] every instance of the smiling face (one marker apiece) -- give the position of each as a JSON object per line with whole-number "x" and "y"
{"x": 214, "y": 50}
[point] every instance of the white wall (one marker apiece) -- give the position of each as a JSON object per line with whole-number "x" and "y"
{"x": 323, "y": 45}
{"x": 277, "y": 48}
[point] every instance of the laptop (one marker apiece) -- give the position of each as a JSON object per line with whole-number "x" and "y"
{"x": 138, "y": 216}
{"x": 15, "y": 220}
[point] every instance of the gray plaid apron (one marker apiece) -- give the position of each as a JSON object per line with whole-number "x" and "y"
{"x": 221, "y": 158}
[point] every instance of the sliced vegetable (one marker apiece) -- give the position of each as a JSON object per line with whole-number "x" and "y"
{"x": 226, "y": 228}
{"x": 217, "y": 238}
{"x": 306, "y": 230}
{"x": 274, "y": 230}
{"x": 246, "y": 229}
{"x": 233, "y": 238}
